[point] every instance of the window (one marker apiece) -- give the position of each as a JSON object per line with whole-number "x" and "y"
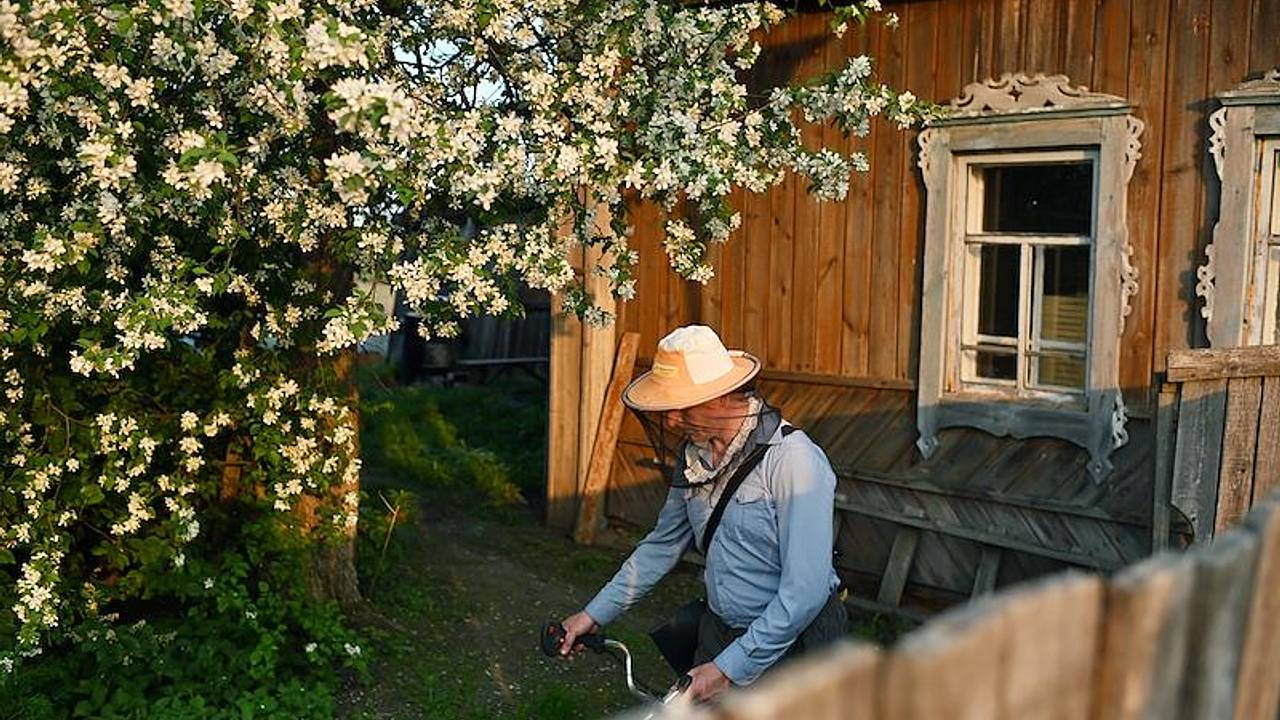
{"x": 1028, "y": 240}
{"x": 1027, "y": 278}
{"x": 1269, "y": 215}
{"x": 1240, "y": 280}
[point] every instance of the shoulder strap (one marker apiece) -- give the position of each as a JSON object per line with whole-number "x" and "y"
{"x": 732, "y": 487}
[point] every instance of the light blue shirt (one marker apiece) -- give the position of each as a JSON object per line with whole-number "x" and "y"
{"x": 769, "y": 567}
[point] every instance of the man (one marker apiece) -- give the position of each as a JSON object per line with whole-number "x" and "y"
{"x": 769, "y": 578}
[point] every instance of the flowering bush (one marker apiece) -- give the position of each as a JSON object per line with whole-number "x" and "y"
{"x": 187, "y": 188}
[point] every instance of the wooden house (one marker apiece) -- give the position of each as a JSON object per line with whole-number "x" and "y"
{"x": 977, "y": 336}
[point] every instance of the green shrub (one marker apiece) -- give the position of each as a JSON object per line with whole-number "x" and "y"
{"x": 233, "y": 639}
{"x": 413, "y": 433}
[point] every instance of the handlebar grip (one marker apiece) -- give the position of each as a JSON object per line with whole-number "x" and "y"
{"x": 553, "y": 637}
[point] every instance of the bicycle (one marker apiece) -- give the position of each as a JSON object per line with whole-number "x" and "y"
{"x": 553, "y": 636}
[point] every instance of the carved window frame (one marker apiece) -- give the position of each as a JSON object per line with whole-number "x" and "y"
{"x": 1240, "y": 272}
{"x": 1033, "y": 114}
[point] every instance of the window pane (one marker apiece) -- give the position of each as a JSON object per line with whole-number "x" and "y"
{"x": 998, "y": 290}
{"x": 1275, "y": 193}
{"x": 1061, "y": 371}
{"x": 997, "y": 366}
{"x": 1047, "y": 198}
{"x": 1064, "y": 306}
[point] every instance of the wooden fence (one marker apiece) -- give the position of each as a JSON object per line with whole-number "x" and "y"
{"x": 1218, "y": 437}
{"x": 1190, "y": 636}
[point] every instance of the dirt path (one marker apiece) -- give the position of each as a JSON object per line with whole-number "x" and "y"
{"x": 454, "y": 619}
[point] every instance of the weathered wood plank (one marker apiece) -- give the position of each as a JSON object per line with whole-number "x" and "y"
{"x": 921, "y": 71}
{"x": 755, "y": 284}
{"x": 1009, "y": 50}
{"x": 1079, "y": 38}
{"x": 1195, "y": 463}
{"x": 838, "y": 683}
{"x": 1239, "y": 442}
{"x": 950, "y": 668}
{"x": 1052, "y": 643}
{"x": 829, "y": 262}
{"x": 782, "y": 205}
{"x": 1144, "y": 641}
{"x": 888, "y": 152}
{"x": 812, "y": 35}
{"x": 1111, "y": 43}
{"x": 606, "y": 440}
{"x": 1236, "y": 362}
{"x": 597, "y": 357}
{"x": 564, "y": 401}
{"x": 895, "y": 575}
{"x": 984, "y": 579}
{"x": 1266, "y": 464}
{"x": 1046, "y": 20}
{"x": 1220, "y": 598}
{"x": 1148, "y": 68}
{"x": 859, "y": 216}
{"x": 1264, "y": 51}
{"x": 733, "y": 257}
{"x": 1258, "y": 686}
{"x": 1165, "y": 441}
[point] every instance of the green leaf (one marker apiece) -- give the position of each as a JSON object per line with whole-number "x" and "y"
{"x": 6, "y": 557}
{"x": 92, "y": 494}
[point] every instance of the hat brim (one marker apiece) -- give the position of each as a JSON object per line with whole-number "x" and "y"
{"x": 646, "y": 394}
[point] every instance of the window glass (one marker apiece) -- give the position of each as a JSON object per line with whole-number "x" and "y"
{"x": 1061, "y": 370}
{"x": 1049, "y": 198}
{"x": 1064, "y": 304}
{"x": 997, "y": 365}
{"x": 1000, "y": 267}
{"x": 1275, "y": 196}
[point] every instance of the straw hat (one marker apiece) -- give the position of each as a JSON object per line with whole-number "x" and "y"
{"x": 690, "y": 367}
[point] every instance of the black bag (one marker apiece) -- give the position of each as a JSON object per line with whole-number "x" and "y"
{"x": 677, "y": 638}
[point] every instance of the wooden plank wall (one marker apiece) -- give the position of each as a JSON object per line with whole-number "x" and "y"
{"x": 1176, "y": 637}
{"x": 833, "y": 288}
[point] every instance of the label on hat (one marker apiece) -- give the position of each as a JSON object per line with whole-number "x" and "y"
{"x": 663, "y": 370}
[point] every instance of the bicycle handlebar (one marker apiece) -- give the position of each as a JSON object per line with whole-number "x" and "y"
{"x": 553, "y": 637}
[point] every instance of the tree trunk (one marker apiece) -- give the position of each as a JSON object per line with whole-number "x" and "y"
{"x": 331, "y": 573}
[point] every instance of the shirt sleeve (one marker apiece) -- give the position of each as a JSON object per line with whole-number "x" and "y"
{"x": 653, "y": 558}
{"x": 803, "y": 487}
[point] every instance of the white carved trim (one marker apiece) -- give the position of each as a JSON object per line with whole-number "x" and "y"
{"x": 1020, "y": 93}
{"x": 1119, "y": 417}
{"x": 1128, "y": 284}
{"x": 1217, "y": 139}
{"x": 1204, "y": 282}
{"x": 1133, "y": 148}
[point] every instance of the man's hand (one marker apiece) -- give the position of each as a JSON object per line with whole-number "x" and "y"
{"x": 708, "y": 682}
{"x": 575, "y": 626}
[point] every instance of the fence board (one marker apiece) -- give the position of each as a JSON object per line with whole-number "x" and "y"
{"x": 1185, "y": 365}
{"x": 831, "y": 685}
{"x": 1239, "y": 441}
{"x": 1195, "y": 463}
{"x": 1220, "y": 597}
{"x": 1143, "y": 651}
{"x": 1266, "y": 464}
{"x": 950, "y": 668}
{"x": 1052, "y": 640}
{"x": 1258, "y": 685}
